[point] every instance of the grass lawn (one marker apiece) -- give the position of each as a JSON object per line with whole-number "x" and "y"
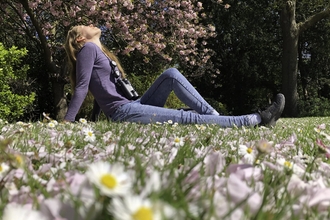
{"x": 105, "y": 170}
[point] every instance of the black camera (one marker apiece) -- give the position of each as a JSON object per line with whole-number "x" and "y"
{"x": 125, "y": 86}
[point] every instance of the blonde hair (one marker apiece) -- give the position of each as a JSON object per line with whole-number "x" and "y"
{"x": 72, "y": 47}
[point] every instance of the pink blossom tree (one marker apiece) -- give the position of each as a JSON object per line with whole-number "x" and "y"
{"x": 169, "y": 31}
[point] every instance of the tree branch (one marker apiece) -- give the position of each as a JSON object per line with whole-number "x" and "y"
{"x": 312, "y": 20}
{"x": 41, "y": 35}
{"x": 14, "y": 21}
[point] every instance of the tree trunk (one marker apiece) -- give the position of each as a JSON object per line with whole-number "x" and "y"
{"x": 290, "y": 58}
{"x": 56, "y": 74}
{"x": 60, "y": 99}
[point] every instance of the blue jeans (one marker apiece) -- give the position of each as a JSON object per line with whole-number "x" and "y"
{"x": 150, "y": 107}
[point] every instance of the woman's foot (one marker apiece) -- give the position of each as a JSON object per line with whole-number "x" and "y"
{"x": 273, "y": 112}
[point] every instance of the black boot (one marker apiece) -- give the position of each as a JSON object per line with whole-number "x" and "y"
{"x": 273, "y": 112}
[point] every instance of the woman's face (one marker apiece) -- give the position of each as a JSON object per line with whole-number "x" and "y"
{"x": 89, "y": 32}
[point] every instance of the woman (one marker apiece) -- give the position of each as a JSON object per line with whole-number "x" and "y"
{"x": 91, "y": 71}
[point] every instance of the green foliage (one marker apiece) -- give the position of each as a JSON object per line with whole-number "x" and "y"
{"x": 248, "y": 55}
{"x": 314, "y": 107}
{"x": 13, "y": 101}
{"x": 219, "y": 106}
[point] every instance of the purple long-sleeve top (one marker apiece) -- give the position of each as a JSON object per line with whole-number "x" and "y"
{"x": 93, "y": 73}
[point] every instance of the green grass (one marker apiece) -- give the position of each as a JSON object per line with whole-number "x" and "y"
{"x": 197, "y": 179}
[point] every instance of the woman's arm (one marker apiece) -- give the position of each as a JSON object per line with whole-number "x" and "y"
{"x": 84, "y": 67}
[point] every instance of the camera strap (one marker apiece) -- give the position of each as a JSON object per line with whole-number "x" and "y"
{"x": 124, "y": 84}
{"x": 114, "y": 69}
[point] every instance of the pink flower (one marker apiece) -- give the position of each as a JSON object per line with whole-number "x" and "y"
{"x": 214, "y": 163}
{"x": 238, "y": 191}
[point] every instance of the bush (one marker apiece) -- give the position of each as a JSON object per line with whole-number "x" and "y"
{"x": 14, "y": 98}
{"x": 314, "y": 107}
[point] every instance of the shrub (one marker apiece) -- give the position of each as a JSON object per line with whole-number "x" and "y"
{"x": 314, "y": 107}
{"x": 14, "y": 99}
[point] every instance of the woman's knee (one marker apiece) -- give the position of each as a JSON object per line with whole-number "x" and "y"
{"x": 171, "y": 72}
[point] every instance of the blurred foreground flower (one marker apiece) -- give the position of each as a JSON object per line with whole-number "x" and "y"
{"x": 288, "y": 165}
{"x": 110, "y": 179}
{"x": 19, "y": 212}
{"x": 3, "y": 170}
{"x": 137, "y": 208}
{"x": 265, "y": 146}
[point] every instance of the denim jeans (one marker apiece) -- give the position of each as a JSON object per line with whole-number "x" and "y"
{"x": 150, "y": 107}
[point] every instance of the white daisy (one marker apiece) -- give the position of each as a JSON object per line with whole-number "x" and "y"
{"x": 248, "y": 153}
{"x": 317, "y": 130}
{"x": 82, "y": 120}
{"x": 89, "y": 134}
{"x": 51, "y": 125}
{"x": 178, "y": 141}
{"x": 111, "y": 179}
{"x": 137, "y": 208}
{"x": 3, "y": 170}
{"x": 19, "y": 212}
{"x": 285, "y": 164}
{"x": 54, "y": 122}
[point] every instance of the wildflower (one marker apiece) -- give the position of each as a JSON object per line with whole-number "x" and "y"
{"x": 3, "y": 170}
{"x": 214, "y": 163}
{"x": 200, "y": 127}
{"x": 325, "y": 135}
{"x": 83, "y": 121}
{"x": 264, "y": 146}
{"x": 178, "y": 141}
{"x": 51, "y": 125}
{"x": 321, "y": 126}
{"x": 248, "y": 153}
{"x": 137, "y": 208}
{"x": 153, "y": 183}
{"x": 288, "y": 165}
{"x": 89, "y": 135}
{"x": 54, "y": 122}
{"x": 321, "y": 146}
{"x": 111, "y": 180}
{"x": 19, "y": 212}
{"x": 285, "y": 163}
{"x": 18, "y": 160}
